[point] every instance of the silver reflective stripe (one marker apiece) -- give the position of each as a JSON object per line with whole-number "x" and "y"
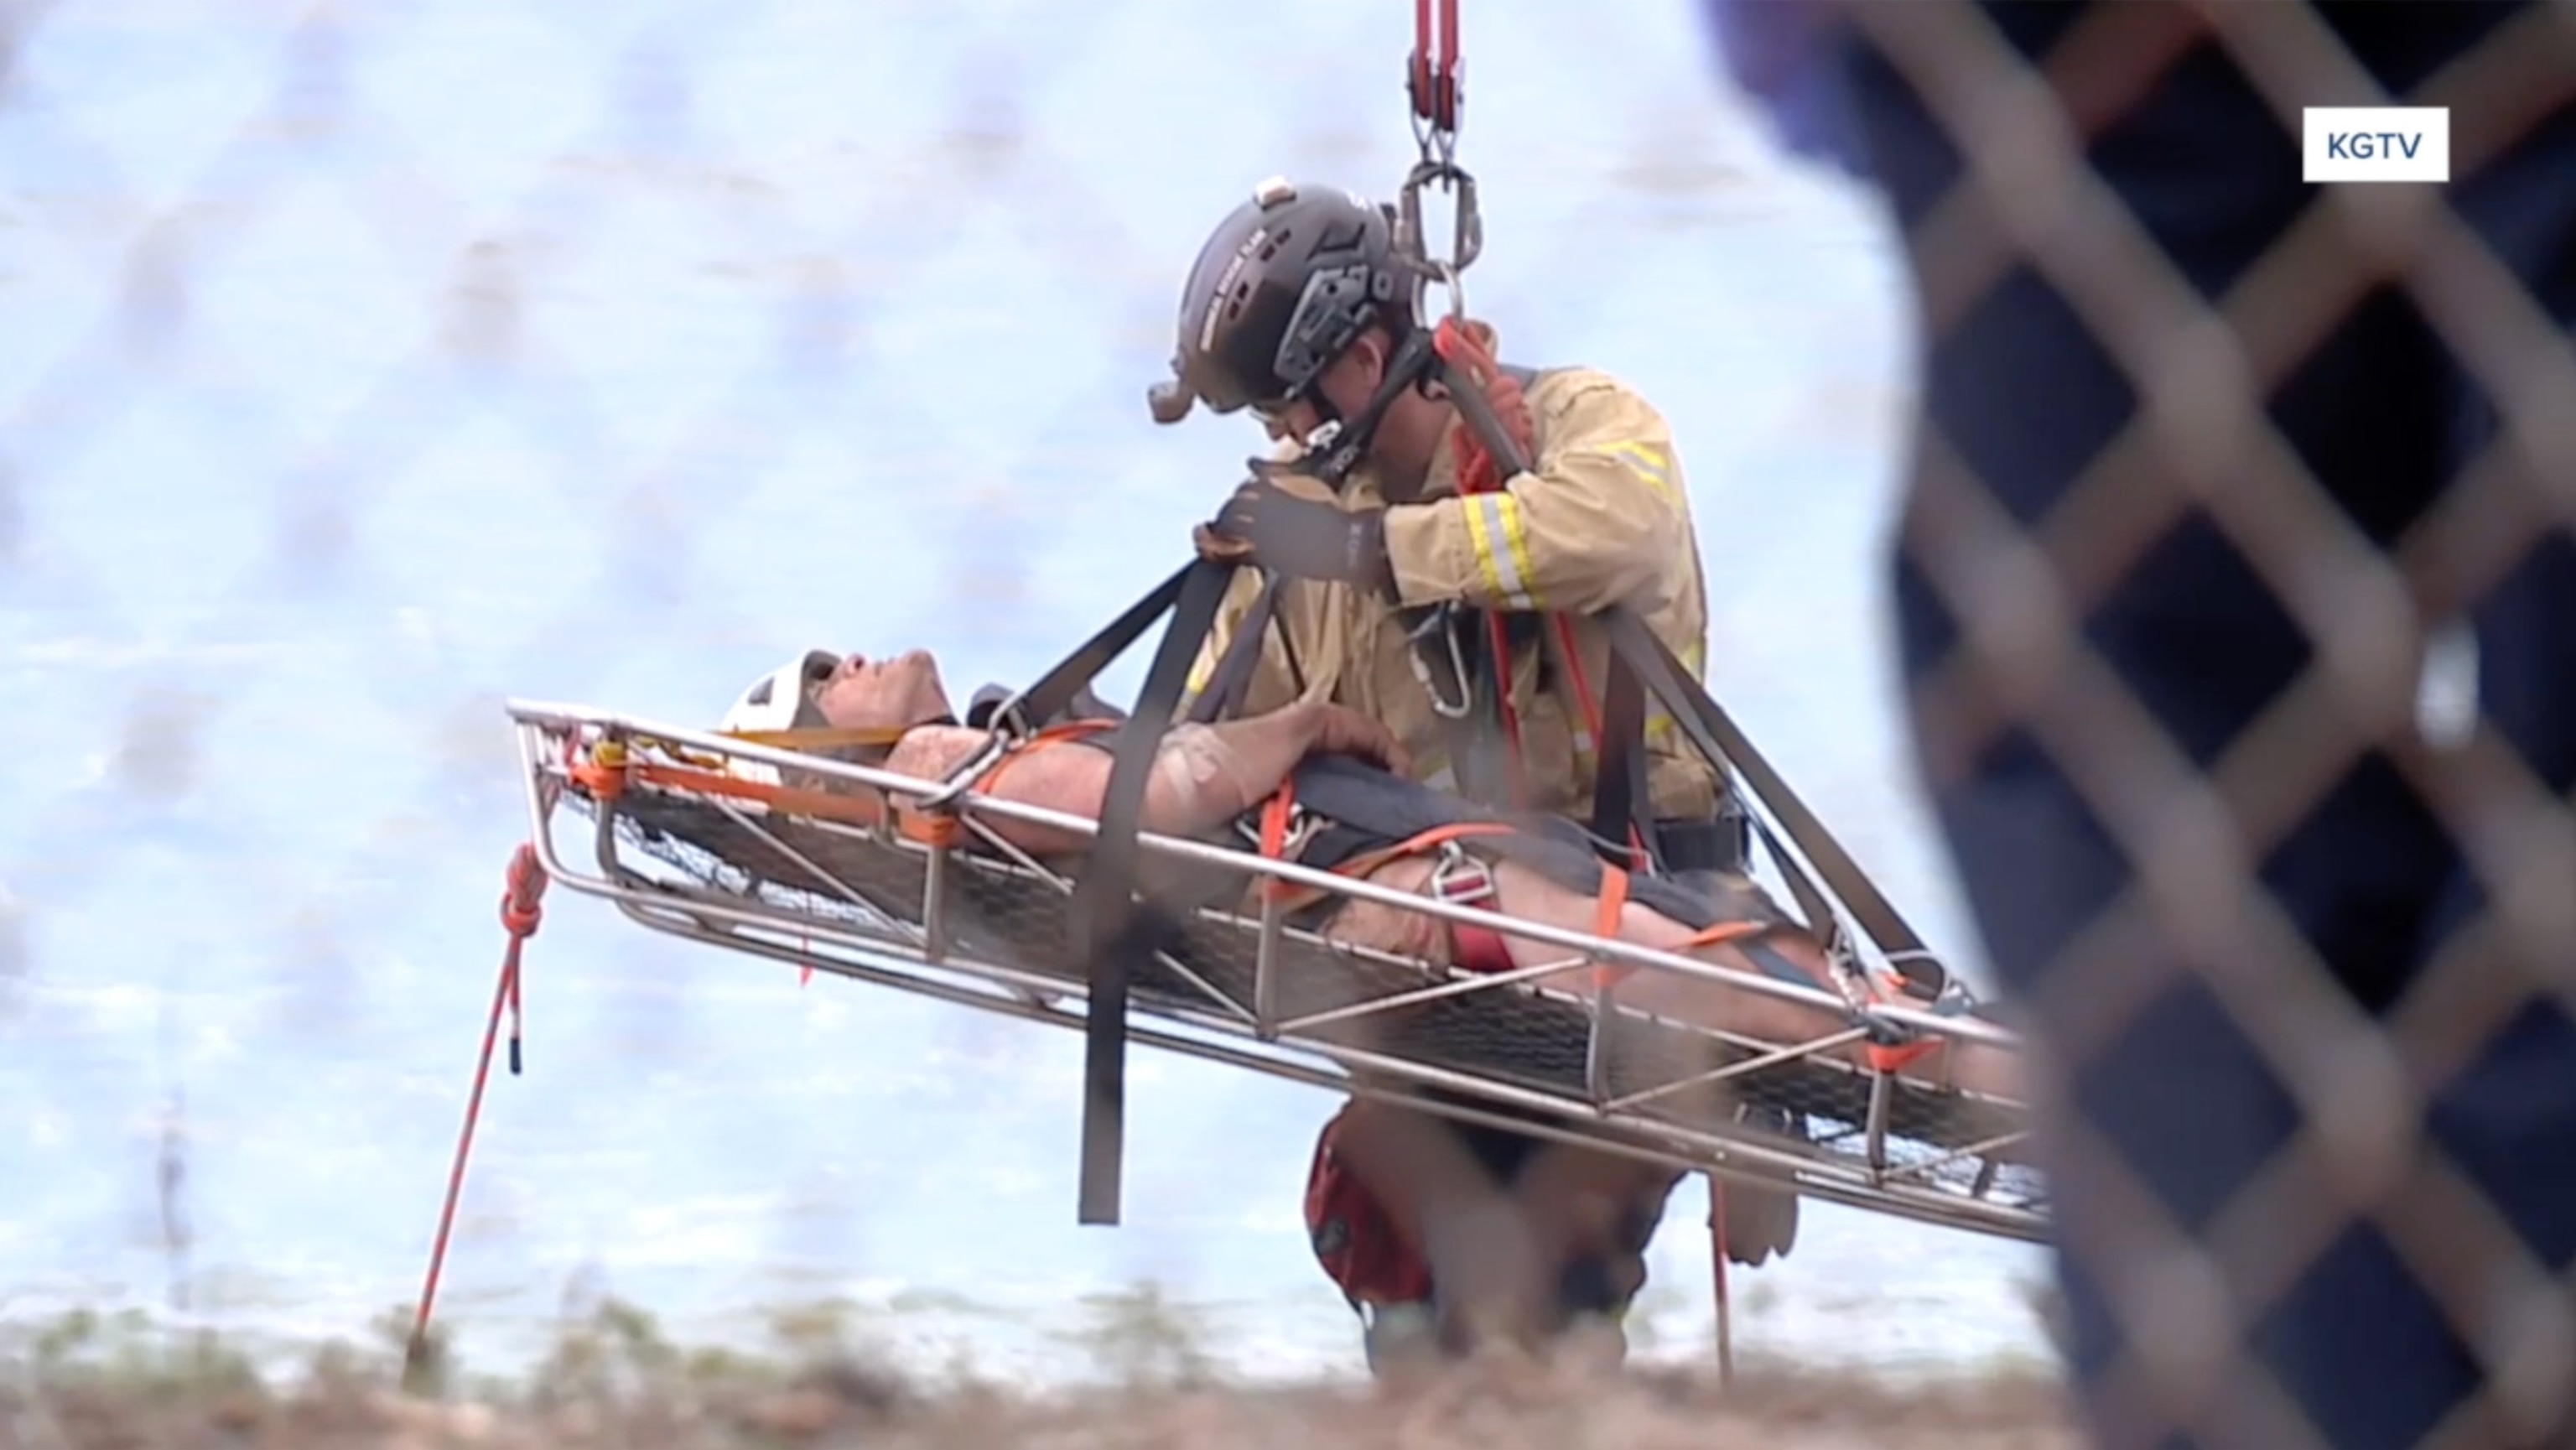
{"x": 1502, "y": 547}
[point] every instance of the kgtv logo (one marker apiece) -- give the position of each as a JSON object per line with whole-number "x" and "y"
{"x": 2376, "y": 143}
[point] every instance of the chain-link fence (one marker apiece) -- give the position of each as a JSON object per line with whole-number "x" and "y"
{"x": 363, "y": 364}
{"x": 2211, "y": 463}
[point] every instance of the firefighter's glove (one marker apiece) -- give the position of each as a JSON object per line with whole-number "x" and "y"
{"x": 1267, "y": 526}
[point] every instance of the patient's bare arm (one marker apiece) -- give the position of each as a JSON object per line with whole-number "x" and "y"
{"x": 1203, "y": 776}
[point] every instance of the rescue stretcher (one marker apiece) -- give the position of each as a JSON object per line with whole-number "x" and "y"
{"x": 727, "y": 841}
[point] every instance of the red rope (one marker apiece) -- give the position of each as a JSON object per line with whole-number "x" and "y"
{"x": 1480, "y": 472}
{"x": 521, "y": 912}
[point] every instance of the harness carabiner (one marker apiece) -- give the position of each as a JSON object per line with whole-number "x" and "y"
{"x": 1303, "y": 825}
{"x": 1446, "y": 276}
{"x": 1445, "y": 620}
{"x": 1467, "y": 231}
{"x": 1459, "y": 878}
{"x": 998, "y": 743}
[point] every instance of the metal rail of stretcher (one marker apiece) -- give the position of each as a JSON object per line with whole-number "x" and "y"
{"x": 764, "y": 888}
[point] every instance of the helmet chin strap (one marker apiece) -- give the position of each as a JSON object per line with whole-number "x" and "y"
{"x": 1336, "y": 448}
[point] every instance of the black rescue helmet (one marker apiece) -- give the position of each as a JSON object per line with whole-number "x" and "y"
{"x": 1285, "y": 284}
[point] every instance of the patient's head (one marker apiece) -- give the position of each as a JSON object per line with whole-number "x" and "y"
{"x": 896, "y": 693}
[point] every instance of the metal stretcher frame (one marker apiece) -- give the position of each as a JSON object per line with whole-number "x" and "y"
{"x": 927, "y": 951}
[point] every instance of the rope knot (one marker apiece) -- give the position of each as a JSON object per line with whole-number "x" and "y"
{"x": 522, "y": 908}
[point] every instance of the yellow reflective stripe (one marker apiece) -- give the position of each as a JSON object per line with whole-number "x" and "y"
{"x": 1201, "y": 671}
{"x": 1502, "y": 547}
{"x": 1649, "y": 460}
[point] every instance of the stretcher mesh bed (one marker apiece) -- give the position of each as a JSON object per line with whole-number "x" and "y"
{"x": 980, "y": 923}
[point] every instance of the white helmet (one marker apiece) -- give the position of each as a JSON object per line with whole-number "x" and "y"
{"x": 783, "y": 699}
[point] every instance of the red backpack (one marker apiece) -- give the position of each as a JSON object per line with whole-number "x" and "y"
{"x": 1359, "y": 1246}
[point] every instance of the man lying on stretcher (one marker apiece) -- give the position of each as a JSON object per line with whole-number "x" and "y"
{"x": 1572, "y": 1238}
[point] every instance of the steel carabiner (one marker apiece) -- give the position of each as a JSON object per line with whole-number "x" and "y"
{"x": 1444, "y": 620}
{"x": 1467, "y": 228}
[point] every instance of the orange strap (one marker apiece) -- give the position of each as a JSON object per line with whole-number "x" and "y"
{"x": 1727, "y": 931}
{"x": 1361, "y": 865}
{"x": 941, "y": 828}
{"x": 604, "y": 780}
{"x": 1894, "y": 1057}
{"x": 1891, "y": 1057}
{"x": 1884, "y": 1058}
{"x": 1605, "y": 925}
{"x": 1276, "y": 813}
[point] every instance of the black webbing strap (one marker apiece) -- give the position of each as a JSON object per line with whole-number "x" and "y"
{"x": 1621, "y": 798}
{"x": 1222, "y": 697}
{"x": 1107, "y": 929}
{"x": 1055, "y": 690}
{"x": 1716, "y": 735}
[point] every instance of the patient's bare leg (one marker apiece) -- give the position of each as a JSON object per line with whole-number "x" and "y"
{"x": 1526, "y": 895}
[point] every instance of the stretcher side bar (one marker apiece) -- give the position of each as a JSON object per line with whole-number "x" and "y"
{"x": 1688, "y": 1150}
{"x": 1201, "y": 853}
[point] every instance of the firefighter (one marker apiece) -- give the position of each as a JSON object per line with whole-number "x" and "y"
{"x": 1300, "y": 310}
{"x": 1293, "y": 311}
